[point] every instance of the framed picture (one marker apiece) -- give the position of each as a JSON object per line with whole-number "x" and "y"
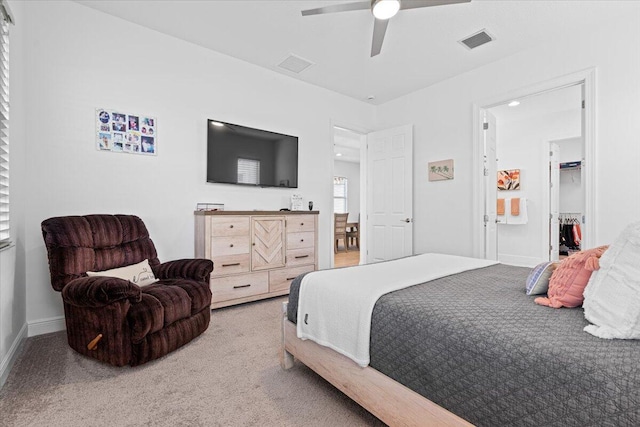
{"x": 441, "y": 170}
{"x": 121, "y": 132}
{"x": 509, "y": 179}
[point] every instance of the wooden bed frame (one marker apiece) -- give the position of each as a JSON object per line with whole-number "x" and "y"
{"x": 387, "y": 399}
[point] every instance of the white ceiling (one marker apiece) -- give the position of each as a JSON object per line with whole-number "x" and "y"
{"x": 421, "y": 45}
{"x": 346, "y": 145}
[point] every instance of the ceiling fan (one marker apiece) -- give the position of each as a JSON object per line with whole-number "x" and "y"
{"x": 382, "y": 10}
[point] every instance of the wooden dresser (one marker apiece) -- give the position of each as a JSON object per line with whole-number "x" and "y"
{"x": 255, "y": 254}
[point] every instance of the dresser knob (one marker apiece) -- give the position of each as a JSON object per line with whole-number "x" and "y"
{"x": 302, "y": 240}
{"x": 231, "y": 245}
{"x": 302, "y": 223}
{"x": 231, "y": 226}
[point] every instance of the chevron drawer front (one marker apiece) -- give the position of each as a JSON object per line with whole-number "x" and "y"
{"x": 267, "y": 250}
{"x": 255, "y": 254}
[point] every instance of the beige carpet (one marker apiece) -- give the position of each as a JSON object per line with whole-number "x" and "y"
{"x": 229, "y": 376}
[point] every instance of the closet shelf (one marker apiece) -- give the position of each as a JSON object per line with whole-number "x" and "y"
{"x": 570, "y": 165}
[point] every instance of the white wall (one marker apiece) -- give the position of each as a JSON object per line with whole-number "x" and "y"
{"x": 80, "y": 59}
{"x": 351, "y": 171}
{"x": 523, "y": 144}
{"x": 442, "y": 115}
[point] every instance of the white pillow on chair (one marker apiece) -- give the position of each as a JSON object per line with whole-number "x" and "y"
{"x": 140, "y": 273}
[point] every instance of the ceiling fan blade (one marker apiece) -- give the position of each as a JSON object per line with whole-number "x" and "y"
{"x": 379, "y": 28}
{"x": 345, "y": 7}
{"x": 414, "y": 4}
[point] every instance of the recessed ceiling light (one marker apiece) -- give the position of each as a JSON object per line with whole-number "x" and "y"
{"x": 514, "y": 103}
{"x": 338, "y": 154}
{"x": 217, "y": 124}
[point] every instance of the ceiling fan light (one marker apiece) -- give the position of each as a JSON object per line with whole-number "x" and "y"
{"x": 385, "y": 9}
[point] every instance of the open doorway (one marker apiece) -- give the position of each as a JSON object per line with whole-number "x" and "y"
{"x": 566, "y": 197}
{"x": 347, "y": 196}
{"x": 533, "y": 138}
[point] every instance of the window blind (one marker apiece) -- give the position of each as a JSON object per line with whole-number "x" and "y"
{"x": 249, "y": 171}
{"x": 339, "y": 194}
{"x": 4, "y": 133}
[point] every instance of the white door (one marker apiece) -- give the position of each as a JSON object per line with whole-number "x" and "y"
{"x": 490, "y": 187}
{"x": 390, "y": 194}
{"x": 554, "y": 202}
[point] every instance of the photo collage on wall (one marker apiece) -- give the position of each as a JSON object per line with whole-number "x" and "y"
{"x": 125, "y": 133}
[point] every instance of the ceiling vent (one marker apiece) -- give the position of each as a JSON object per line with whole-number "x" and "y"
{"x": 295, "y": 64}
{"x": 477, "y": 39}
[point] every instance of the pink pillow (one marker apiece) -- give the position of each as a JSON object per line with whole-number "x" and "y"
{"x": 568, "y": 281}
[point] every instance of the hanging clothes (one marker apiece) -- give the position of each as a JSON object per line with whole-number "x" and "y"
{"x": 577, "y": 234}
{"x": 570, "y": 233}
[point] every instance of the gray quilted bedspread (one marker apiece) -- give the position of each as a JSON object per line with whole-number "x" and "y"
{"x": 475, "y": 344}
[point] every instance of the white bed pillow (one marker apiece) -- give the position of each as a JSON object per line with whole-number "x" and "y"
{"x": 612, "y": 296}
{"x": 140, "y": 273}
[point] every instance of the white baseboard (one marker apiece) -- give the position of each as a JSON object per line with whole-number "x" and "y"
{"x": 520, "y": 261}
{"x": 46, "y": 326}
{"x": 7, "y": 363}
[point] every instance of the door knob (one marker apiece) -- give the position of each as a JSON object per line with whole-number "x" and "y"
{"x": 406, "y": 220}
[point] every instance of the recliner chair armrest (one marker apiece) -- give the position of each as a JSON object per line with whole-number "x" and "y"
{"x": 194, "y": 269}
{"x": 99, "y": 291}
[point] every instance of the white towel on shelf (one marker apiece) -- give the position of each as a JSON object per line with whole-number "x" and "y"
{"x": 519, "y": 219}
{"x": 335, "y": 306}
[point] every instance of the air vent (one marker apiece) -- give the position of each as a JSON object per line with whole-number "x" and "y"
{"x": 477, "y": 39}
{"x": 295, "y": 64}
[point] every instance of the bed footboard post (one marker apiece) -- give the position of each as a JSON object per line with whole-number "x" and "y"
{"x": 286, "y": 358}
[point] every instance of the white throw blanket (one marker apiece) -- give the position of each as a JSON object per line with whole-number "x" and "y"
{"x": 335, "y": 306}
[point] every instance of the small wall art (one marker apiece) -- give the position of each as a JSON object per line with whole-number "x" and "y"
{"x": 509, "y": 179}
{"x": 441, "y": 170}
{"x": 121, "y": 132}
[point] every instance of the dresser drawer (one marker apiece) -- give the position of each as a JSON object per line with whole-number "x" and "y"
{"x": 301, "y": 240}
{"x": 280, "y": 280}
{"x": 302, "y": 256}
{"x": 298, "y": 223}
{"x": 239, "y": 286}
{"x": 232, "y": 245}
{"x": 228, "y": 225}
{"x": 230, "y": 264}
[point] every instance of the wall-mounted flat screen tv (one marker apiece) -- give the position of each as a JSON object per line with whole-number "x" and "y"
{"x": 242, "y": 155}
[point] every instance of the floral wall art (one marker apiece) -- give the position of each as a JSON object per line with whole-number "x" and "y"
{"x": 509, "y": 179}
{"x": 441, "y": 170}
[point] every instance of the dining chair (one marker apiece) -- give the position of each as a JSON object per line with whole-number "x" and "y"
{"x": 353, "y": 234}
{"x": 340, "y": 230}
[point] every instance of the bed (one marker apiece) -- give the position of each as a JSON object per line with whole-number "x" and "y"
{"x": 472, "y": 349}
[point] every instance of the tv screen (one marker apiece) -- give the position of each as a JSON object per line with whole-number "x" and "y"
{"x": 241, "y": 155}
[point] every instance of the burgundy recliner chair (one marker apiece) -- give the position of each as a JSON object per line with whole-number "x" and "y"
{"x": 136, "y": 324}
